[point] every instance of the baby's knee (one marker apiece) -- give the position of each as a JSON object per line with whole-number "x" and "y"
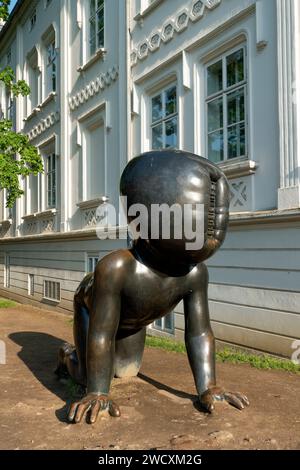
{"x": 126, "y": 369}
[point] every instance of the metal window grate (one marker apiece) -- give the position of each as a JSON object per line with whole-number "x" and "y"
{"x": 52, "y": 290}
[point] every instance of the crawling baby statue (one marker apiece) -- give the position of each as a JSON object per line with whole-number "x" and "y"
{"x": 133, "y": 287}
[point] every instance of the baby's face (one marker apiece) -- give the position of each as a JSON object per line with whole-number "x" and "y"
{"x": 176, "y": 190}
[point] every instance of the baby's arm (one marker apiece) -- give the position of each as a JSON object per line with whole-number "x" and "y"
{"x": 103, "y": 325}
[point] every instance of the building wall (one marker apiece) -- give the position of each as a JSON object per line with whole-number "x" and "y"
{"x": 62, "y": 260}
{"x": 148, "y": 45}
{"x": 254, "y": 288}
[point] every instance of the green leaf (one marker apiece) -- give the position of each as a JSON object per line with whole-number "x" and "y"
{"x": 18, "y": 158}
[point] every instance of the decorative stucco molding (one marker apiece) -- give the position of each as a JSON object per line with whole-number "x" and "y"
{"x": 175, "y": 24}
{"x": 103, "y": 81}
{"x": 44, "y": 124}
{"x": 239, "y": 194}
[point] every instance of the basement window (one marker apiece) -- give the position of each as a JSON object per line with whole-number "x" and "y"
{"x": 52, "y": 290}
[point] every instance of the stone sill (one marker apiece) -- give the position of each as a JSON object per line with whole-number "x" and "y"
{"x": 40, "y": 215}
{"x": 48, "y": 98}
{"x": 264, "y": 217}
{"x": 92, "y": 203}
{"x": 236, "y": 169}
{"x": 46, "y": 213}
{"x": 99, "y": 54}
{"x": 73, "y": 235}
{"x": 143, "y": 13}
{"x": 28, "y": 216}
{"x": 6, "y": 223}
{"x": 33, "y": 113}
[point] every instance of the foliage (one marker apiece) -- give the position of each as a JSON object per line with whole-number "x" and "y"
{"x": 4, "y": 13}
{"x": 12, "y": 143}
{"x": 20, "y": 87}
{"x": 18, "y": 158}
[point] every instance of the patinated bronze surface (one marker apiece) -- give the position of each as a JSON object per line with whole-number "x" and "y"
{"x": 131, "y": 288}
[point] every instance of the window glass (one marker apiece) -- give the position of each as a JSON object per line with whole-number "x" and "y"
{"x": 164, "y": 127}
{"x": 226, "y": 112}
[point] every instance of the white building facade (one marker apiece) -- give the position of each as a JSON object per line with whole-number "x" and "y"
{"x": 113, "y": 78}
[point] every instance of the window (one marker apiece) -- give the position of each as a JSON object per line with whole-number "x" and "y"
{"x": 52, "y": 290}
{"x": 51, "y": 180}
{"x": 92, "y": 260}
{"x": 51, "y": 68}
{"x": 32, "y": 20}
{"x": 96, "y": 25}
{"x": 94, "y": 151}
{"x": 30, "y": 284}
{"x": 226, "y": 107}
{"x": 33, "y": 194}
{"x": 47, "y": 3}
{"x": 6, "y": 271}
{"x": 33, "y": 78}
{"x": 165, "y": 323}
{"x": 164, "y": 119}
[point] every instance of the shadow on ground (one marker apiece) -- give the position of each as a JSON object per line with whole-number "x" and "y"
{"x": 39, "y": 353}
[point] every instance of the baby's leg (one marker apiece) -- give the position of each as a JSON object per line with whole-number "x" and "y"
{"x": 72, "y": 360}
{"x": 129, "y": 352}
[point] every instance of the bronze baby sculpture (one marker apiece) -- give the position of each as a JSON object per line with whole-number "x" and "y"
{"x": 131, "y": 288}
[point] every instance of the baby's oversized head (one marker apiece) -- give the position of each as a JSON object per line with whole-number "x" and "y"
{"x": 178, "y": 202}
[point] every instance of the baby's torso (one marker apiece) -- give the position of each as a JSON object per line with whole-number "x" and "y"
{"x": 146, "y": 295}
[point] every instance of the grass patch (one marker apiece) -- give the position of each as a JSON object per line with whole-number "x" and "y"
{"x": 6, "y": 303}
{"x": 165, "y": 343}
{"x": 259, "y": 361}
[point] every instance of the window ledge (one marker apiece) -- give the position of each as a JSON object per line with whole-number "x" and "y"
{"x": 40, "y": 215}
{"x": 28, "y": 216}
{"x": 92, "y": 202}
{"x": 6, "y": 223}
{"x": 264, "y": 217}
{"x": 143, "y": 13}
{"x": 33, "y": 113}
{"x": 48, "y": 98}
{"x": 99, "y": 54}
{"x": 238, "y": 168}
{"x": 46, "y": 213}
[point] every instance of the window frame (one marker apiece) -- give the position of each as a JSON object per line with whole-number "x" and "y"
{"x": 223, "y": 93}
{"x": 88, "y": 123}
{"x": 51, "y": 157}
{"x": 98, "y": 47}
{"x": 161, "y": 92}
{"x": 6, "y": 273}
{"x": 33, "y": 79}
{"x": 93, "y": 257}
{"x": 55, "y": 286}
{"x": 49, "y": 64}
{"x": 30, "y": 284}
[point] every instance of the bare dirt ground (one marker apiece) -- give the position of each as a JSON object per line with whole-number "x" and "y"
{"x": 158, "y": 407}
